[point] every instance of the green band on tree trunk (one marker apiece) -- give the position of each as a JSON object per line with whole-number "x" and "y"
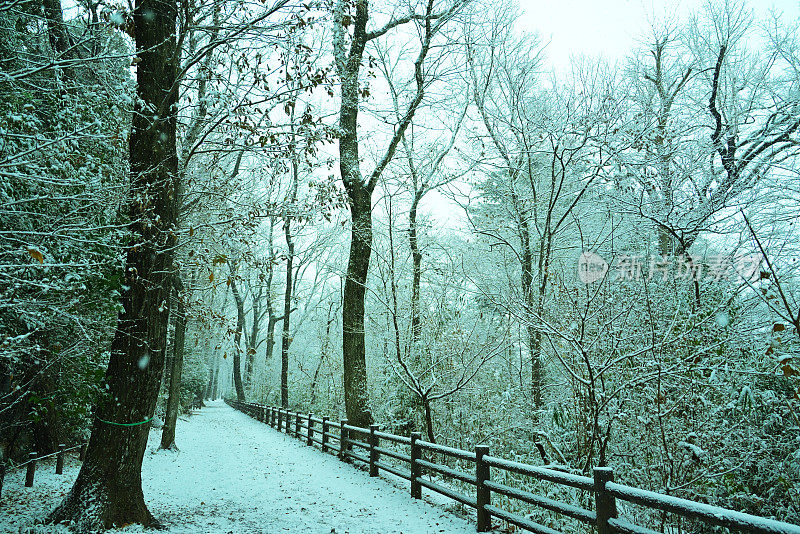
{"x": 125, "y": 424}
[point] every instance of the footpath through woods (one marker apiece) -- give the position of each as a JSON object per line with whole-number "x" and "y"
{"x": 233, "y": 474}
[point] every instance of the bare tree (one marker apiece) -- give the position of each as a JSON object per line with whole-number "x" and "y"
{"x": 350, "y": 39}
{"x": 545, "y": 154}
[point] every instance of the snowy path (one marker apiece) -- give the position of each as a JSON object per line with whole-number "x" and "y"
{"x": 234, "y": 474}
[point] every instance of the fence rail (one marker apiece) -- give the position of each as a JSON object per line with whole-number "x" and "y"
{"x": 33, "y": 457}
{"x": 604, "y": 517}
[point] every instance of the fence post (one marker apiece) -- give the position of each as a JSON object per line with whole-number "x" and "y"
{"x": 484, "y": 495}
{"x": 31, "y": 470}
{"x": 342, "y": 440}
{"x": 416, "y": 471}
{"x": 297, "y": 432}
{"x": 324, "y": 433}
{"x": 310, "y": 430}
{"x": 605, "y": 503}
{"x": 60, "y": 459}
{"x": 373, "y": 454}
{"x": 82, "y": 453}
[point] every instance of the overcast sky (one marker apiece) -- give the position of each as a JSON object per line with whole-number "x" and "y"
{"x": 612, "y": 27}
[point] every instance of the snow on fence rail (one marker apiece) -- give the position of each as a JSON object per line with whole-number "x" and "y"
{"x": 605, "y": 491}
{"x": 33, "y": 457}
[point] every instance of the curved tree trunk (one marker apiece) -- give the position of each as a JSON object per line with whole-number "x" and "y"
{"x": 237, "y": 340}
{"x": 359, "y": 193}
{"x": 352, "y": 27}
{"x": 108, "y": 490}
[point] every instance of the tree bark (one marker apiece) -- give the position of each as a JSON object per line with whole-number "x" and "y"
{"x": 272, "y": 319}
{"x": 249, "y": 365}
{"x": 416, "y": 259}
{"x": 356, "y": 394}
{"x": 348, "y": 59}
{"x": 426, "y": 405}
{"x": 287, "y": 293}
{"x": 176, "y": 369}
{"x": 47, "y": 430}
{"x": 237, "y": 339}
{"x": 207, "y": 394}
{"x": 287, "y": 310}
{"x": 215, "y": 386}
{"x": 359, "y": 193}
{"x": 108, "y": 490}
{"x": 272, "y": 322}
{"x": 57, "y": 34}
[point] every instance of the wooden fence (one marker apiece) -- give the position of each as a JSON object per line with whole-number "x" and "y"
{"x": 341, "y": 438}
{"x": 34, "y": 457}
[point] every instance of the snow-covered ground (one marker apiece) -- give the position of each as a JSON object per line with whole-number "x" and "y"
{"x": 233, "y": 474}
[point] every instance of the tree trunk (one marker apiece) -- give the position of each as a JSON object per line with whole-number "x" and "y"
{"x": 209, "y": 392}
{"x": 215, "y": 386}
{"x": 253, "y": 339}
{"x": 353, "y": 27}
{"x": 426, "y": 406}
{"x": 416, "y": 258}
{"x": 287, "y": 310}
{"x": 359, "y": 193}
{"x": 356, "y": 394}
{"x": 534, "y": 337}
{"x": 47, "y": 430}
{"x": 287, "y": 293}
{"x": 323, "y": 354}
{"x": 56, "y": 31}
{"x": 175, "y": 371}
{"x": 237, "y": 339}
{"x": 272, "y": 319}
{"x": 108, "y": 490}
